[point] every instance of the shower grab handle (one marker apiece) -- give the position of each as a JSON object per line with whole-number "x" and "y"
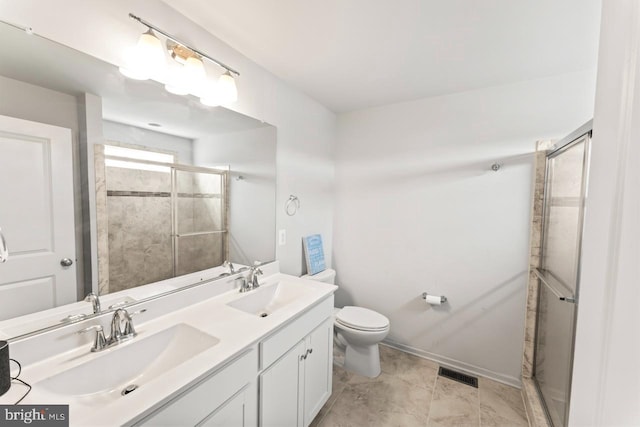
{"x": 548, "y": 281}
{"x": 4, "y": 251}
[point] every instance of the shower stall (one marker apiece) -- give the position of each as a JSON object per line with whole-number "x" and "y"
{"x": 558, "y": 294}
{"x": 158, "y": 220}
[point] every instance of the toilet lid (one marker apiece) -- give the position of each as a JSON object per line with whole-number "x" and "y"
{"x": 362, "y": 319}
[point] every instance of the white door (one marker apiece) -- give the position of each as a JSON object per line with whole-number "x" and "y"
{"x": 318, "y": 370}
{"x": 36, "y": 217}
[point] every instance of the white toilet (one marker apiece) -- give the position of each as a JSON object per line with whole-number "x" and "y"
{"x": 359, "y": 330}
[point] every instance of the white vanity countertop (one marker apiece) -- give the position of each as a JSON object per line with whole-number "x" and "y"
{"x": 235, "y": 330}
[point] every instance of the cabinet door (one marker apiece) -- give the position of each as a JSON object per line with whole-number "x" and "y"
{"x": 232, "y": 413}
{"x": 203, "y": 401}
{"x": 281, "y": 389}
{"x": 318, "y": 369}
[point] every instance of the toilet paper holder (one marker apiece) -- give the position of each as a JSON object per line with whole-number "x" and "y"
{"x": 443, "y": 299}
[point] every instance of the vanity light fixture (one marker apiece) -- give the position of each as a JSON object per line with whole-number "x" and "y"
{"x": 187, "y": 74}
{"x": 227, "y": 88}
{"x": 184, "y": 75}
{"x": 145, "y": 59}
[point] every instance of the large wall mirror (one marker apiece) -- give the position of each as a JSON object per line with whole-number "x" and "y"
{"x": 111, "y": 185}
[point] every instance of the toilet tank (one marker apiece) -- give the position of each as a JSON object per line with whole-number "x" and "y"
{"x": 326, "y": 276}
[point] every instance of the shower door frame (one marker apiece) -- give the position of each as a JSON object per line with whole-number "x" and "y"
{"x": 224, "y": 197}
{"x": 173, "y": 167}
{"x": 582, "y": 133}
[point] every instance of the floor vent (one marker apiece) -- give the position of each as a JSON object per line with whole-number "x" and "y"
{"x": 458, "y": 376}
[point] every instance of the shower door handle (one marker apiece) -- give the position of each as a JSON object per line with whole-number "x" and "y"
{"x": 549, "y": 282}
{"x": 4, "y": 251}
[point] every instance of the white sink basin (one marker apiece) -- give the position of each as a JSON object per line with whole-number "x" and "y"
{"x": 268, "y": 299}
{"x": 133, "y": 363}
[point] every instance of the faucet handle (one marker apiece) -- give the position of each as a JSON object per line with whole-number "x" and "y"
{"x": 97, "y": 328}
{"x": 129, "y": 331}
{"x": 253, "y": 277}
{"x": 135, "y": 313}
{"x": 100, "y": 341}
{"x": 243, "y": 284}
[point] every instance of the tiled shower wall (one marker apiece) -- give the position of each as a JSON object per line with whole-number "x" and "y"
{"x": 139, "y": 225}
{"x": 535, "y": 411}
{"x": 534, "y": 262}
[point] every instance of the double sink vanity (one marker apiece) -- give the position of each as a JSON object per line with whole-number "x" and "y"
{"x": 176, "y": 342}
{"x": 208, "y": 355}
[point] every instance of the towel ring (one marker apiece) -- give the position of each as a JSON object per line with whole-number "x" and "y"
{"x": 292, "y": 205}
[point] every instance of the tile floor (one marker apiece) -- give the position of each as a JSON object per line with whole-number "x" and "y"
{"x": 409, "y": 392}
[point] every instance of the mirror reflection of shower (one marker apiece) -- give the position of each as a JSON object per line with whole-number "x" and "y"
{"x": 158, "y": 219}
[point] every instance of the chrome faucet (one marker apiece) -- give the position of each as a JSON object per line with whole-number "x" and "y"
{"x": 244, "y": 284}
{"x": 121, "y": 330}
{"x": 254, "y": 272}
{"x": 122, "y": 325}
{"x": 229, "y": 265}
{"x": 94, "y": 300}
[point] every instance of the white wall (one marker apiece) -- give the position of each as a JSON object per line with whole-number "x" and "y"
{"x": 606, "y": 377}
{"x": 418, "y": 209}
{"x": 250, "y": 154}
{"x": 306, "y": 129}
{"x": 127, "y": 134}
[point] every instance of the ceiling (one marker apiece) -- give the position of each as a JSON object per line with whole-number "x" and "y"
{"x": 354, "y": 54}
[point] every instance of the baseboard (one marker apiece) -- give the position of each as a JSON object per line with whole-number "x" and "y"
{"x": 456, "y": 364}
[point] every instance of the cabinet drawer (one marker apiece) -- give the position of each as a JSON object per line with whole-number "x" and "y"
{"x": 274, "y": 346}
{"x": 195, "y": 404}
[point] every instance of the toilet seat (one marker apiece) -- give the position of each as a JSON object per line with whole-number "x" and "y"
{"x": 362, "y": 319}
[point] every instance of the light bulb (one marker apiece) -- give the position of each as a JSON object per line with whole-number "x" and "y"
{"x": 227, "y": 90}
{"x": 145, "y": 59}
{"x": 130, "y": 68}
{"x": 175, "y": 82}
{"x": 209, "y": 94}
{"x": 187, "y": 78}
{"x": 150, "y": 50}
{"x": 194, "y": 74}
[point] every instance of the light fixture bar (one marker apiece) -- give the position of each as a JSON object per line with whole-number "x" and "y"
{"x": 169, "y": 36}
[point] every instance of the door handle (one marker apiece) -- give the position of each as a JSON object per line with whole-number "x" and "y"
{"x": 4, "y": 251}
{"x": 66, "y": 262}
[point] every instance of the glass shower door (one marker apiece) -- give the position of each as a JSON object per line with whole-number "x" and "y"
{"x": 565, "y": 187}
{"x": 200, "y": 220}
